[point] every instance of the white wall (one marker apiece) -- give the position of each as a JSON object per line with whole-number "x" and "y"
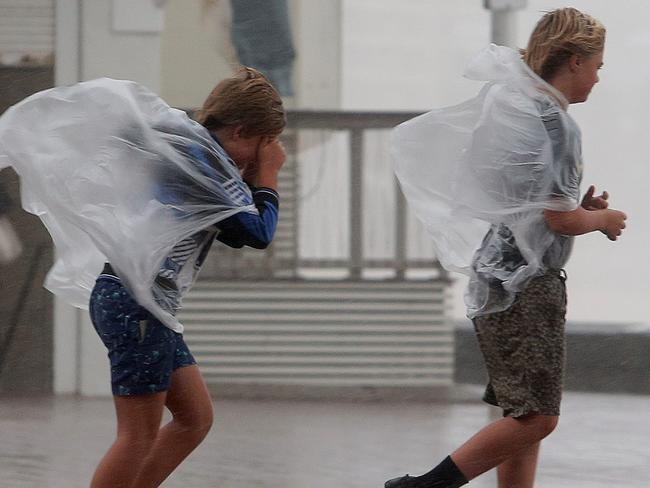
{"x": 107, "y": 52}
{"x": 196, "y": 50}
{"x": 317, "y": 30}
{"x": 412, "y": 56}
{"x": 408, "y": 55}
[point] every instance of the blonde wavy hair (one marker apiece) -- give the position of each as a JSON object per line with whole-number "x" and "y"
{"x": 246, "y": 99}
{"x": 559, "y": 35}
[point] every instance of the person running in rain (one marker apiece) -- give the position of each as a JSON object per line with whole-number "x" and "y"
{"x": 151, "y": 365}
{"x": 144, "y": 191}
{"x": 496, "y": 181}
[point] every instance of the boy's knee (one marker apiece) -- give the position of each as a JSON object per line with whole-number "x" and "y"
{"x": 539, "y": 426}
{"x": 140, "y": 441}
{"x": 205, "y": 418}
{"x": 198, "y": 424}
{"x": 204, "y": 423}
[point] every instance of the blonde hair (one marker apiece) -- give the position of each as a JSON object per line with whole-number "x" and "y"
{"x": 559, "y": 35}
{"x": 245, "y": 99}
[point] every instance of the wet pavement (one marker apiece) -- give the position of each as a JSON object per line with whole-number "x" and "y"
{"x": 603, "y": 441}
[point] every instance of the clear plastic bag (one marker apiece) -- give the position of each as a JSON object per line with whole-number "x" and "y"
{"x": 113, "y": 173}
{"x": 478, "y": 176}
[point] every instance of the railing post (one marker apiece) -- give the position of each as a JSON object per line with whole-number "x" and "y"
{"x": 292, "y": 146}
{"x": 356, "y": 202}
{"x": 400, "y": 232}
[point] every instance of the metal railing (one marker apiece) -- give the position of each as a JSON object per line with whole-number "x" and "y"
{"x": 286, "y": 262}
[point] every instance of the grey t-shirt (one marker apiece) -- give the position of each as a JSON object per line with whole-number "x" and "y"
{"x": 499, "y": 247}
{"x": 567, "y": 153}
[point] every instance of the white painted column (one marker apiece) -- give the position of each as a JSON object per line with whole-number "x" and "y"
{"x": 66, "y": 39}
{"x": 66, "y": 348}
{"x": 66, "y": 324}
{"x": 94, "y": 40}
{"x": 504, "y": 21}
{"x": 94, "y": 378}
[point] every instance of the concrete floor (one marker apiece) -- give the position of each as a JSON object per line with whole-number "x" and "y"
{"x": 603, "y": 441}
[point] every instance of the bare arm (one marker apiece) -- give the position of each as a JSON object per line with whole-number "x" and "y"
{"x": 582, "y": 221}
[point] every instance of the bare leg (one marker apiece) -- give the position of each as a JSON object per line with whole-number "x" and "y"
{"x": 500, "y": 441}
{"x": 189, "y": 402}
{"x": 519, "y": 470}
{"x": 138, "y": 422}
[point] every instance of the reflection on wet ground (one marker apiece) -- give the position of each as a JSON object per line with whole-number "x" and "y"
{"x": 55, "y": 442}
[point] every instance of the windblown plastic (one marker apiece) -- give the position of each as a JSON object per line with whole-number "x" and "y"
{"x": 479, "y": 175}
{"x": 95, "y": 160}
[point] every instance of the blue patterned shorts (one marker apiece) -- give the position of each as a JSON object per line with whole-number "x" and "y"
{"x": 143, "y": 353}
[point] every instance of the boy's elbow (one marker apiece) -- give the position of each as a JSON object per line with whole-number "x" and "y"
{"x": 259, "y": 244}
{"x": 569, "y": 223}
{"x": 558, "y": 222}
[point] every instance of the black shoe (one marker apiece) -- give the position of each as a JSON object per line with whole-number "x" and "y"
{"x": 402, "y": 482}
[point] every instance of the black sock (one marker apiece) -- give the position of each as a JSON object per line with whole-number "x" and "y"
{"x": 445, "y": 475}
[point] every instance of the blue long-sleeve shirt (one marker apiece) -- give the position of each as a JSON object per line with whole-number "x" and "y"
{"x": 254, "y": 229}
{"x": 247, "y": 229}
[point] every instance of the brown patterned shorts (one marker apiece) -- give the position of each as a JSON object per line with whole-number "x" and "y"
{"x": 524, "y": 349}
